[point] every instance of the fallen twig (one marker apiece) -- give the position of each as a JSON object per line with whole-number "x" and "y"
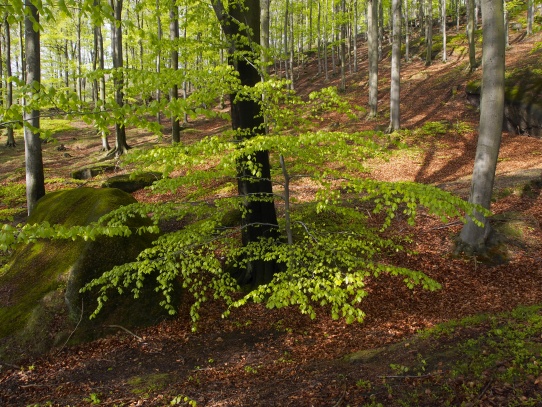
{"x": 126, "y": 330}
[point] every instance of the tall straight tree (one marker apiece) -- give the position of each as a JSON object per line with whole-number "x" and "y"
{"x": 174, "y": 57}
{"x": 443, "y": 29}
{"x": 35, "y": 180}
{"x": 429, "y": 33}
{"x": 241, "y": 25}
{"x": 395, "y": 91}
{"x": 121, "y": 146}
{"x": 473, "y": 237}
{"x": 9, "y": 84}
{"x": 372, "y": 40}
{"x": 471, "y": 24}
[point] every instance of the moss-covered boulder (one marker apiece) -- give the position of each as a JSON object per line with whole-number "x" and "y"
{"x": 131, "y": 183}
{"x": 92, "y": 171}
{"x": 522, "y": 103}
{"x": 40, "y": 303}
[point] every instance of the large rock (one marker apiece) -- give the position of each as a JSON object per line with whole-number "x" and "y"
{"x": 40, "y": 303}
{"x": 522, "y": 106}
{"x": 131, "y": 183}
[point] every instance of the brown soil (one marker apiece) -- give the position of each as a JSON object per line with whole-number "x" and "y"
{"x": 261, "y": 357}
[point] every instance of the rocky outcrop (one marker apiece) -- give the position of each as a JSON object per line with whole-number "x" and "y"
{"x": 40, "y": 303}
{"x": 522, "y": 108}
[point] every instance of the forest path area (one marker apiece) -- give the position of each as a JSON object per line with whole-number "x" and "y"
{"x": 269, "y": 357}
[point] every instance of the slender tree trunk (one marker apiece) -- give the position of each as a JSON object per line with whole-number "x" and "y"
{"x": 407, "y": 32}
{"x": 429, "y": 33}
{"x": 343, "y": 45}
{"x": 22, "y": 53}
{"x": 9, "y": 85}
{"x": 121, "y": 147}
{"x": 174, "y": 92}
{"x": 158, "y": 55}
{"x": 380, "y": 26}
{"x": 474, "y": 239}
{"x": 530, "y": 16}
{"x": 35, "y": 180}
{"x": 356, "y": 18}
{"x": 261, "y": 219}
{"x": 395, "y": 99}
{"x": 443, "y": 29}
{"x": 470, "y": 34}
{"x": 506, "y": 26}
{"x": 372, "y": 39}
{"x": 101, "y": 81}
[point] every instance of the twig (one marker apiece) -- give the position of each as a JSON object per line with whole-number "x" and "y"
{"x": 457, "y": 222}
{"x": 9, "y": 364}
{"x": 410, "y": 376}
{"x": 74, "y": 329}
{"x": 341, "y": 399}
{"x": 126, "y": 330}
{"x": 33, "y": 385}
{"x": 485, "y": 389}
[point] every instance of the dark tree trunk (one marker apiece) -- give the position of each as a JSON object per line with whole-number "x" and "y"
{"x": 35, "y": 181}
{"x": 121, "y": 146}
{"x": 174, "y": 91}
{"x": 9, "y": 85}
{"x": 261, "y": 218}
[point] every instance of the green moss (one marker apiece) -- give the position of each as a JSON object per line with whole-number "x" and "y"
{"x": 41, "y": 282}
{"x": 149, "y": 383}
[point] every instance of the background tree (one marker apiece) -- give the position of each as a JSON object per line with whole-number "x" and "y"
{"x": 174, "y": 92}
{"x": 372, "y": 39}
{"x": 429, "y": 33}
{"x": 9, "y": 82}
{"x": 473, "y": 237}
{"x": 121, "y": 146}
{"x": 471, "y": 26}
{"x": 395, "y": 90}
{"x": 35, "y": 181}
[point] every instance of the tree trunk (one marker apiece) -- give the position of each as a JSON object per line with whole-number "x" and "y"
{"x": 264, "y": 35}
{"x": 530, "y": 16}
{"x": 443, "y": 29}
{"x": 261, "y": 218}
{"x": 429, "y": 33}
{"x": 395, "y": 99}
{"x": 35, "y": 181}
{"x": 121, "y": 147}
{"x": 372, "y": 40}
{"x": 174, "y": 91}
{"x": 407, "y": 32}
{"x": 343, "y": 44}
{"x": 473, "y": 238}
{"x": 470, "y": 34}
{"x": 9, "y": 85}
{"x": 158, "y": 55}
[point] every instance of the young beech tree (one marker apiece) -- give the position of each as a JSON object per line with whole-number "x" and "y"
{"x": 35, "y": 181}
{"x": 474, "y": 236}
{"x": 240, "y": 22}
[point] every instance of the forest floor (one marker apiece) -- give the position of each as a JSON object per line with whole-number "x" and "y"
{"x": 262, "y": 357}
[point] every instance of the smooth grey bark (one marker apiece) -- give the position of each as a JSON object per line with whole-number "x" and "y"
{"x": 121, "y": 147}
{"x": 372, "y": 42}
{"x": 395, "y": 99}
{"x": 342, "y": 54}
{"x": 530, "y": 16}
{"x": 158, "y": 55}
{"x": 443, "y": 29}
{"x": 471, "y": 24}
{"x": 474, "y": 238}
{"x": 174, "y": 59}
{"x": 35, "y": 180}
{"x": 407, "y": 31}
{"x": 429, "y": 33}
{"x": 9, "y": 85}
